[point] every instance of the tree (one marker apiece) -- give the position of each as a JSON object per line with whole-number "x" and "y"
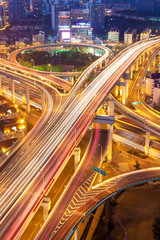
{"x": 156, "y": 228}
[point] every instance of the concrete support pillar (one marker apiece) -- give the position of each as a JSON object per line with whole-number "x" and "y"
{"x": 131, "y": 72}
{"x": 154, "y": 61}
{"x": 77, "y": 157}
{"x": 13, "y": 90}
{"x": 136, "y": 65}
{"x": 124, "y": 91}
{"x": 0, "y": 85}
{"x": 23, "y": 98}
{"x": 76, "y": 234}
{"x": 110, "y": 143}
{"x": 140, "y": 60}
{"x": 144, "y": 56}
{"x": 147, "y": 141}
{"x": 110, "y": 107}
{"x": 127, "y": 88}
{"x": 72, "y": 79}
{"x": 149, "y": 68}
{"x": 27, "y": 98}
{"x": 110, "y": 112}
{"x": 100, "y": 65}
{"x": 124, "y": 95}
{"x": 116, "y": 91}
{"x": 121, "y": 91}
{"x": 46, "y": 204}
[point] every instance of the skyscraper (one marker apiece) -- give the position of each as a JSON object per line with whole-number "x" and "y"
{"x": 15, "y": 10}
{"x": 4, "y": 19}
{"x": 36, "y": 6}
{"x": 21, "y": 8}
{"x": 97, "y": 14}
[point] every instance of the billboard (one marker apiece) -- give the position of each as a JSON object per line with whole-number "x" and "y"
{"x": 66, "y": 35}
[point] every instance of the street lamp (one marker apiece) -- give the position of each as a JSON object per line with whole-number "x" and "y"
{"x": 49, "y": 65}
{"x": 32, "y": 63}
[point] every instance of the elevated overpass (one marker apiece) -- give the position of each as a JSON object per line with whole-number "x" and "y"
{"x": 48, "y": 47}
{"x": 55, "y": 231}
{"x": 141, "y": 113}
{"x": 58, "y": 142}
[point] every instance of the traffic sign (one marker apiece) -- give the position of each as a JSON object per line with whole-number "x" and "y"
{"x": 99, "y": 171}
{"x": 103, "y": 173}
{"x": 96, "y": 169}
{"x": 134, "y": 103}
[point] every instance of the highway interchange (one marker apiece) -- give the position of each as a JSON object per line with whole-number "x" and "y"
{"x": 52, "y": 141}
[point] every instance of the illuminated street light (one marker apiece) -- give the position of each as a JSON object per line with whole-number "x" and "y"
{"x": 21, "y": 121}
{"x": 49, "y": 65}
{"x": 4, "y": 150}
{"x": 32, "y": 63}
{"x": 9, "y": 111}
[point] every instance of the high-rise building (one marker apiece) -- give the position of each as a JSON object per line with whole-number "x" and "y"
{"x": 80, "y": 25}
{"x": 96, "y": 9}
{"x": 145, "y": 34}
{"x": 36, "y": 7}
{"x": 4, "y": 18}
{"x": 19, "y": 9}
{"x": 15, "y": 10}
{"x": 97, "y": 14}
{"x": 61, "y": 5}
{"x": 113, "y": 35}
{"x": 55, "y": 9}
{"x": 130, "y": 36}
{"x": 74, "y": 25}
{"x": 64, "y": 26}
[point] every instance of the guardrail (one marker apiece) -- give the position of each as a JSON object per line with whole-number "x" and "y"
{"x": 109, "y": 196}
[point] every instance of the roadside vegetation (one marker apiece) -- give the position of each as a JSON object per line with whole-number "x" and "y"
{"x": 74, "y": 59}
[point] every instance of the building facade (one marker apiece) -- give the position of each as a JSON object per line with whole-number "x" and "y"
{"x": 145, "y": 34}
{"x": 130, "y": 36}
{"x": 113, "y": 35}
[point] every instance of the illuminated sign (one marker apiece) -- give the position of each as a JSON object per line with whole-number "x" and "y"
{"x": 83, "y": 24}
{"x": 64, "y": 17}
{"x": 66, "y": 35}
{"x": 64, "y": 28}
